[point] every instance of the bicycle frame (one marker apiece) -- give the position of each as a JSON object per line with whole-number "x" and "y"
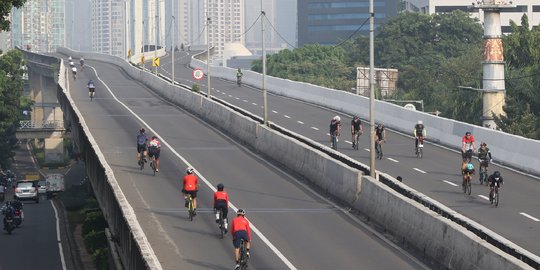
{"x": 190, "y": 207}
{"x": 243, "y": 255}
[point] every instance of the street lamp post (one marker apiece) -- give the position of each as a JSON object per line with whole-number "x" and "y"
{"x": 265, "y": 105}
{"x": 208, "y": 50}
{"x": 371, "y": 91}
{"x": 172, "y": 43}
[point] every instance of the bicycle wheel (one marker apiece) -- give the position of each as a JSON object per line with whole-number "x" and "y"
{"x": 469, "y": 187}
{"x": 221, "y": 224}
{"x": 420, "y": 152}
{"x": 243, "y": 255}
{"x": 356, "y": 140}
{"x": 334, "y": 141}
{"x": 496, "y": 198}
{"x": 380, "y": 153}
{"x": 153, "y": 166}
{"x": 141, "y": 162}
{"x": 190, "y": 208}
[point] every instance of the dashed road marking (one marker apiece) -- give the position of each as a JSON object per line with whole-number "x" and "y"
{"x": 366, "y": 149}
{"x": 245, "y": 100}
{"x": 348, "y": 142}
{"x": 236, "y": 98}
{"x": 391, "y": 159}
{"x": 253, "y": 103}
{"x": 529, "y": 216}
{"x": 300, "y": 122}
{"x": 418, "y": 170}
{"x": 314, "y": 128}
{"x": 274, "y": 112}
{"x": 230, "y": 95}
{"x": 483, "y": 197}
{"x": 286, "y": 116}
{"x": 450, "y": 183}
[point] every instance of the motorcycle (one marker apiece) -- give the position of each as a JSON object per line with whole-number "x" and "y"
{"x": 18, "y": 218}
{"x": 9, "y": 226}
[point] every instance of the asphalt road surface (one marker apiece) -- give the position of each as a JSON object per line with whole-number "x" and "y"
{"x": 294, "y": 227}
{"x": 437, "y": 175}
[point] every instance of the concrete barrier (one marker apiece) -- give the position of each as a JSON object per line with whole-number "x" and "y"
{"x": 514, "y": 151}
{"x": 133, "y": 247}
{"x": 438, "y": 236}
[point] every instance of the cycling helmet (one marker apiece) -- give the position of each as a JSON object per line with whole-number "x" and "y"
{"x": 142, "y": 130}
{"x": 189, "y": 170}
{"x": 241, "y": 212}
{"x": 337, "y": 118}
{"x": 420, "y": 122}
{"x": 356, "y": 117}
{"x": 470, "y": 166}
{"x": 154, "y": 137}
{"x": 220, "y": 187}
{"x": 497, "y": 175}
{"x": 467, "y": 133}
{"x": 483, "y": 144}
{"x": 379, "y": 125}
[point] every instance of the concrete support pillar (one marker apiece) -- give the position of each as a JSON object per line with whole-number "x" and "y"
{"x": 54, "y": 150}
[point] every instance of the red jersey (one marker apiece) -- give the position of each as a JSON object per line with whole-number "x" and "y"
{"x": 468, "y": 142}
{"x": 190, "y": 182}
{"x": 241, "y": 223}
{"x": 221, "y": 195}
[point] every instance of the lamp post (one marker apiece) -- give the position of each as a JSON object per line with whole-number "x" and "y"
{"x": 172, "y": 45}
{"x": 371, "y": 91}
{"x": 265, "y": 105}
{"x": 208, "y": 50}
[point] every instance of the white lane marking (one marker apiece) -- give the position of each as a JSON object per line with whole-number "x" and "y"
{"x": 217, "y": 90}
{"x": 286, "y": 116}
{"x": 223, "y": 93}
{"x": 327, "y": 134}
{"x": 450, "y": 183}
{"x": 300, "y": 122}
{"x": 418, "y": 170}
{"x": 367, "y": 149}
{"x": 274, "y": 112}
{"x": 529, "y": 216}
{"x": 348, "y": 142}
{"x": 253, "y": 103}
{"x": 483, "y": 197}
{"x": 58, "y": 237}
{"x": 230, "y": 95}
{"x": 244, "y": 100}
{"x": 236, "y": 98}
{"x": 391, "y": 159}
{"x": 210, "y": 185}
{"x": 315, "y": 128}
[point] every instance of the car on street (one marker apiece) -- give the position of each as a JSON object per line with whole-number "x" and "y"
{"x": 27, "y": 191}
{"x": 42, "y": 188}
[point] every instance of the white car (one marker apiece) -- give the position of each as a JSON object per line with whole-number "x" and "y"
{"x": 27, "y": 191}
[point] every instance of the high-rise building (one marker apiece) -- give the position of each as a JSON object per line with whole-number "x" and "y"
{"x": 529, "y": 7}
{"x": 108, "y": 27}
{"x": 253, "y": 26}
{"x": 226, "y": 23}
{"x": 5, "y": 41}
{"x": 327, "y": 22}
{"x": 145, "y": 24}
{"x": 39, "y": 25}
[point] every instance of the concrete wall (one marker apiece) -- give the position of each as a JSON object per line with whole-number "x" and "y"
{"x": 438, "y": 237}
{"x": 133, "y": 247}
{"x": 507, "y": 149}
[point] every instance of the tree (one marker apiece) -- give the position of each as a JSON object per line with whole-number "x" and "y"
{"x": 11, "y": 103}
{"x": 5, "y": 9}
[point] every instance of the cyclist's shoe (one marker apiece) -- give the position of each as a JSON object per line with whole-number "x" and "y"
{"x": 353, "y": 145}
{"x": 157, "y": 170}
{"x": 247, "y": 254}
{"x": 237, "y": 266}
{"x": 194, "y": 212}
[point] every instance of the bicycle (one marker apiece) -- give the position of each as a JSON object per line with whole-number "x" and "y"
{"x": 467, "y": 183}
{"x": 243, "y": 255}
{"x": 334, "y": 140}
{"x": 378, "y": 149}
{"x": 141, "y": 160}
{"x": 483, "y": 171}
{"x": 494, "y": 196}
{"x": 191, "y": 209}
{"x": 420, "y": 148}
{"x": 356, "y": 140}
{"x": 221, "y": 224}
{"x": 153, "y": 166}
{"x": 91, "y": 93}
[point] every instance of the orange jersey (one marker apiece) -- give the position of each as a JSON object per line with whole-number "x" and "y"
{"x": 221, "y": 195}
{"x": 241, "y": 223}
{"x": 190, "y": 182}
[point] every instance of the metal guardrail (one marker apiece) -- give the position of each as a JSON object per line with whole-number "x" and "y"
{"x": 52, "y": 124}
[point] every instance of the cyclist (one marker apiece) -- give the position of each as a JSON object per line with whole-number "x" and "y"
{"x": 467, "y": 147}
{"x": 141, "y": 144}
{"x": 82, "y": 62}
{"x": 380, "y": 136}
{"x": 239, "y": 75}
{"x": 154, "y": 148}
{"x": 356, "y": 128}
{"x": 189, "y": 186}
{"x": 240, "y": 230}
{"x": 91, "y": 88}
{"x": 484, "y": 155}
{"x": 221, "y": 202}
{"x": 335, "y": 129}
{"x": 70, "y": 58}
{"x": 494, "y": 179}
{"x": 71, "y": 64}
{"x": 74, "y": 71}
{"x": 467, "y": 172}
{"x": 419, "y": 134}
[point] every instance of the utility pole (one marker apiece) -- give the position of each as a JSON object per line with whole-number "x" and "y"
{"x": 208, "y": 47}
{"x": 172, "y": 25}
{"x": 265, "y": 101}
{"x": 157, "y": 34}
{"x": 371, "y": 91}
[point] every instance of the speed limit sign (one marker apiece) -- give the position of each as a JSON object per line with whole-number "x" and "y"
{"x": 198, "y": 74}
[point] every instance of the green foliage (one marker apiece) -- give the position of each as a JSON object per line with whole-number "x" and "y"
{"x": 94, "y": 221}
{"x": 5, "y": 9}
{"x": 101, "y": 257}
{"x": 11, "y": 103}
{"x": 196, "y": 88}
{"x": 95, "y": 240}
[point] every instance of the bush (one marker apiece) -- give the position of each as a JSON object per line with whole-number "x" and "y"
{"x": 101, "y": 257}
{"x": 74, "y": 198}
{"x": 95, "y": 240}
{"x": 196, "y": 88}
{"x": 94, "y": 221}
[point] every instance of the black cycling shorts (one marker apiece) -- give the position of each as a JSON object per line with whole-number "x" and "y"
{"x": 141, "y": 148}
{"x": 238, "y": 236}
{"x": 153, "y": 153}
{"x": 92, "y": 89}
{"x": 192, "y": 192}
{"x": 221, "y": 204}
{"x": 467, "y": 154}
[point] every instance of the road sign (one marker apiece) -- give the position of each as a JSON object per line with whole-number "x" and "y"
{"x": 142, "y": 60}
{"x": 155, "y": 62}
{"x": 198, "y": 74}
